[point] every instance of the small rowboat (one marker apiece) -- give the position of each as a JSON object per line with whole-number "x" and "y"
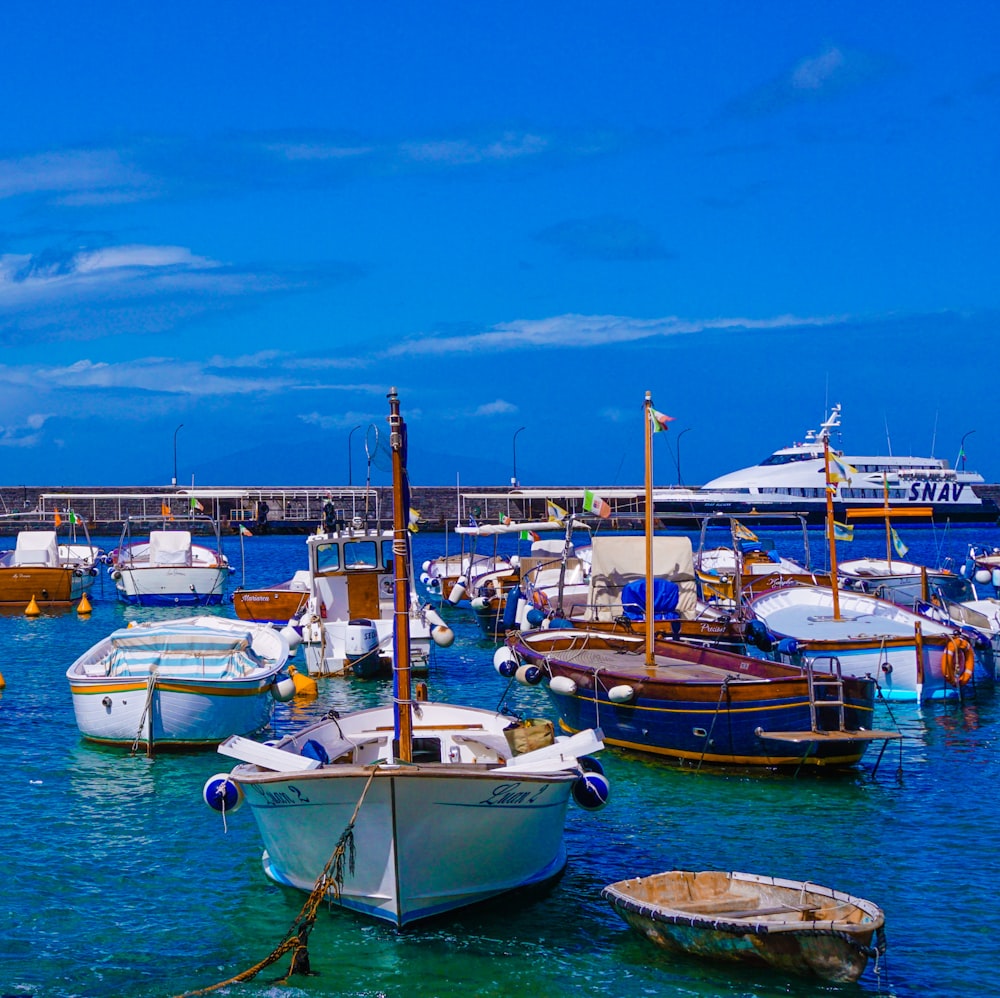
{"x": 793, "y": 926}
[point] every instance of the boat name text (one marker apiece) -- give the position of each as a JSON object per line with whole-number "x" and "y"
{"x": 511, "y": 795}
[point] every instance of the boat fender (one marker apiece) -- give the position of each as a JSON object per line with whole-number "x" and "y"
{"x": 283, "y": 688}
{"x": 560, "y": 623}
{"x": 442, "y": 635}
{"x": 528, "y": 675}
{"x": 983, "y": 576}
{"x": 563, "y": 685}
{"x": 116, "y": 575}
{"x": 788, "y": 646}
{"x": 621, "y": 694}
{"x": 510, "y": 608}
{"x": 426, "y": 566}
{"x": 457, "y": 593}
{"x": 958, "y": 661}
{"x": 589, "y": 764}
{"x": 291, "y": 635}
{"x": 535, "y": 617}
{"x": 515, "y": 560}
{"x": 480, "y": 603}
{"x": 505, "y": 661}
{"x": 591, "y": 790}
{"x": 424, "y": 578}
{"x": 758, "y": 635}
{"x": 222, "y": 793}
{"x": 304, "y": 684}
{"x": 314, "y": 750}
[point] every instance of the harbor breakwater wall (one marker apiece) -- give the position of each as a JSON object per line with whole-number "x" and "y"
{"x": 292, "y": 509}
{"x": 289, "y": 509}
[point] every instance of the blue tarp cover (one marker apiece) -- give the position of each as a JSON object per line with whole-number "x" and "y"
{"x": 665, "y": 595}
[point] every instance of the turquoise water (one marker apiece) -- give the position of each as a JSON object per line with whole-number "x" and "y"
{"x": 118, "y": 880}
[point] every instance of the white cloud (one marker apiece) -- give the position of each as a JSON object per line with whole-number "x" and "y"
{"x": 495, "y": 408}
{"x": 581, "y": 331}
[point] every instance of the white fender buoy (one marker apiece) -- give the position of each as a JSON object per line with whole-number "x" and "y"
{"x": 442, "y": 635}
{"x": 562, "y": 684}
{"x": 621, "y": 694}
{"x": 515, "y": 560}
{"x": 458, "y": 590}
{"x": 983, "y": 576}
{"x": 291, "y": 635}
{"x": 480, "y": 603}
{"x": 426, "y": 566}
{"x": 505, "y": 661}
{"x": 283, "y": 688}
{"x": 433, "y": 617}
{"x": 528, "y": 675}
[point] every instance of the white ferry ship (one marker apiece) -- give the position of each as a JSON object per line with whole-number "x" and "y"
{"x": 793, "y": 479}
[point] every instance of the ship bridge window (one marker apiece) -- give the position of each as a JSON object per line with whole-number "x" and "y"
{"x": 327, "y": 557}
{"x": 360, "y": 555}
{"x": 774, "y": 459}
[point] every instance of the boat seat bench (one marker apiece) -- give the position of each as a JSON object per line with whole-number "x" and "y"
{"x": 733, "y": 908}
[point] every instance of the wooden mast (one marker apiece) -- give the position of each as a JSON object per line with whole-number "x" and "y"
{"x": 831, "y": 531}
{"x": 650, "y": 622}
{"x": 401, "y": 682}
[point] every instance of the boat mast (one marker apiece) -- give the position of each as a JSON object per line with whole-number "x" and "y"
{"x": 830, "y": 532}
{"x": 402, "y": 703}
{"x": 650, "y": 623}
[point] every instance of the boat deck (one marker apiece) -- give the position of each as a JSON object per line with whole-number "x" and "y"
{"x": 634, "y": 664}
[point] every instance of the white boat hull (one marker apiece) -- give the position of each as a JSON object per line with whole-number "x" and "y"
{"x": 171, "y": 586}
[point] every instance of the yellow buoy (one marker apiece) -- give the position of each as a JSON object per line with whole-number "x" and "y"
{"x": 31, "y": 610}
{"x": 304, "y": 685}
{"x": 84, "y": 606}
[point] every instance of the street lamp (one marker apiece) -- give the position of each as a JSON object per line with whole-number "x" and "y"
{"x": 679, "y": 435}
{"x": 349, "y": 468}
{"x": 513, "y": 480}
{"x": 961, "y": 448}
{"x": 173, "y": 481}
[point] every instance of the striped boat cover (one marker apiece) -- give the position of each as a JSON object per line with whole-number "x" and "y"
{"x": 201, "y": 651}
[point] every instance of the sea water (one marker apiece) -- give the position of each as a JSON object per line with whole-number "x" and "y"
{"x": 117, "y": 880}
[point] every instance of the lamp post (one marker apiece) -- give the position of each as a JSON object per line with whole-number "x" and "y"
{"x": 513, "y": 480}
{"x": 173, "y": 481}
{"x": 679, "y": 435}
{"x": 961, "y": 448}
{"x": 349, "y": 468}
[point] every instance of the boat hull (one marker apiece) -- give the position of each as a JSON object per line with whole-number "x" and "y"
{"x": 738, "y": 712}
{"x": 18, "y": 586}
{"x": 269, "y": 606}
{"x": 175, "y": 586}
{"x": 179, "y": 713}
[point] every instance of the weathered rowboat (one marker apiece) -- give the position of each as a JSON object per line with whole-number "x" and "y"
{"x": 793, "y": 926}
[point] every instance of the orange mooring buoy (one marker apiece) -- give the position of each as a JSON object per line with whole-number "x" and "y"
{"x": 304, "y": 685}
{"x": 3, "y": 682}
{"x": 84, "y": 607}
{"x": 31, "y": 610}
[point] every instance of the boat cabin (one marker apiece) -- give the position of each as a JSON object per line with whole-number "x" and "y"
{"x": 352, "y": 573}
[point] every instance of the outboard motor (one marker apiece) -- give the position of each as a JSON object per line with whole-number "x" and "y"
{"x": 361, "y": 647}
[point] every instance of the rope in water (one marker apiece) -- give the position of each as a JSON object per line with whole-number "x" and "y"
{"x": 296, "y": 938}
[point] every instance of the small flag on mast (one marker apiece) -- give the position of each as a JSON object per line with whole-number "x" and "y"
{"x": 593, "y": 503}
{"x": 840, "y": 471}
{"x": 528, "y": 535}
{"x": 165, "y": 510}
{"x": 196, "y": 505}
{"x": 414, "y": 524}
{"x": 843, "y": 532}
{"x": 555, "y": 512}
{"x": 244, "y": 532}
{"x": 898, "y": 544}
{"x": 743, "y": 533}
{"x": 660, "y": 420}
{"x": 57, "y": 519}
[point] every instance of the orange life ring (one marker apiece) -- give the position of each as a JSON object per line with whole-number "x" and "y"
{"x": 958, "y": 651}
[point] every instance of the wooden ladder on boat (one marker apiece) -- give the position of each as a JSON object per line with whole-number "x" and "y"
{"x": 817, "y": 686}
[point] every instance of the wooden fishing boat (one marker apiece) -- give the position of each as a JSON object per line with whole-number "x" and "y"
{"x": 277, "y": 604}
{"x": 42, "y": 568}
{"x": 794, "y": 926}
{"x": 441, "y": 809}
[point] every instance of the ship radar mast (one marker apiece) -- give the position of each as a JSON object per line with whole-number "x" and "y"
{"x": 832, "y": 422}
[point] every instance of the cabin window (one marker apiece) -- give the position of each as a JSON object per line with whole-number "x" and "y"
{"x": 426, "y": 749}
{"x": 327, "y": 557}
{"x": 360, "y": 554}
{"x": 387, "y": 554}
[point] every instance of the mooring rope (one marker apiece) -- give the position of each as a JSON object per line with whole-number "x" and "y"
{"x": 146, "y": 710}
{"x": 297, "y": 936}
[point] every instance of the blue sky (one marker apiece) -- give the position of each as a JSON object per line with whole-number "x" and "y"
{"x": 250, "y": 220}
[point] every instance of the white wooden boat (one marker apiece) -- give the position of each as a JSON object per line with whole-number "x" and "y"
{"x": 178, "y": 683}
{"x": 792, "y": 925}
{"x": 435, "y": 807}
{"x": 168, "y": 569}
{"x": 907, "y": 653}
